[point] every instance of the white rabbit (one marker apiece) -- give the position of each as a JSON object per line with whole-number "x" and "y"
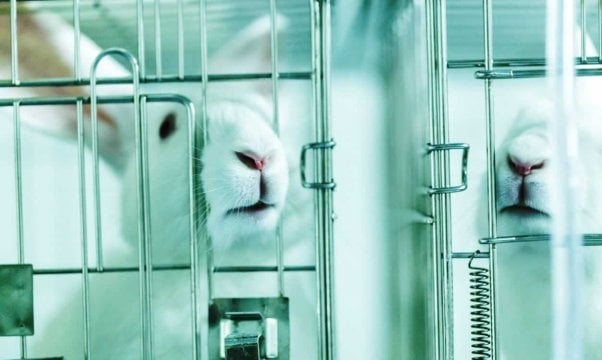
{"x": 245, "y": 178}
{"x": 523, "y": 207}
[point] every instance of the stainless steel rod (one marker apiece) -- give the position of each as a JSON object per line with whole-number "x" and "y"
{"x": 193, "y": 176}
{"x": 180, "y": 267}
{"x": 205, "y": 277}
{"x": 158, "y": 45}
{"x": 525, "y": 74}
{"x": 300, "y": 75}
{"x": 147, "y": 225}
{"x": 14, "y": 44}
{"x": 19, "y": 198}
{"x": 599, "y": 58}
{"x": 180, "y": 24}
{"x": 76, "y": 41}
{"x": 583, "y": 33}
{"x": 320, "y": 36}
{"x": 141, "y": 37}
{"x": 83, "y": 228}
{"x": 490, "y": 149}
{"x": 276, "y": 125}
{"x": 515, "y": 62}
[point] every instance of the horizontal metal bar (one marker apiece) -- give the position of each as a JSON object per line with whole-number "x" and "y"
{"x": 469, "y": 255}
{"x": 514, "y": 62}
{"x": 588, "y": 239}
{"x": 117, "y": 269}
{"x": 242, "y": 269}
{"x": 527, "y": 74}
{"x": 223, "y": 269}
{"x": 72, "y": 100}
{"x": 300, "y": 75}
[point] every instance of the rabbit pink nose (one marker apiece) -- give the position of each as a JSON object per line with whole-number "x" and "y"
{"x": 259, "y": 164}
{"x": 524, "y": 168}
{"x": 251, "y": 161}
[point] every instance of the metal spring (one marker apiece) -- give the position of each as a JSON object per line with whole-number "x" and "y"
{"x": 480, "y": 311}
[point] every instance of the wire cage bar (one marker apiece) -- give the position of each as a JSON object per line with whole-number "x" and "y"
{"x": 440, "y": 178}
{"x": 202, "y": 267}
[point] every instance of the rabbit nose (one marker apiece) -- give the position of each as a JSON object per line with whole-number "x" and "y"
{"x": 524, "y": 168}
{"x": 251, "y": 161}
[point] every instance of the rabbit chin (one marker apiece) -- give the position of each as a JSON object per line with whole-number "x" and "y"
{"x": 522, "y": 221}
{"x": 239, "y": 226}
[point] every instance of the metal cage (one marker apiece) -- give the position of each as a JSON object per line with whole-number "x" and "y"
{"x": 448, "y": 24}
{"x": 146, "y": 37}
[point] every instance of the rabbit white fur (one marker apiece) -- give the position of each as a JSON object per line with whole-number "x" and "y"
{"x": 523, "y": 207}
{"x": 245, "y": 177}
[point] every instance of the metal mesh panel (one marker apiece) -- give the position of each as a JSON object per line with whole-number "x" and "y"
{"x": 164, "y": 45}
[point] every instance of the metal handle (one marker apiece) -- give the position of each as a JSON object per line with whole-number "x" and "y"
{"x": 311, "y": 146}
{"x": 243, "y": 346}
{"x": 446, "y": 147}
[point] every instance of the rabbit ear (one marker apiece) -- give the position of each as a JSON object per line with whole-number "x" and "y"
{"x": 250, "y": 51}
{"x": 48, "y": 52}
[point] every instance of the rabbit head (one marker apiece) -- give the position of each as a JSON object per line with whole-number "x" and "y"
{"x": 245, "y": 173}
{"x": 243, "y": 167}
{"x": 524, "y": 179}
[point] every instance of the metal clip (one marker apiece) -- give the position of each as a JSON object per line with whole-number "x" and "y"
{"x": 445, "y": 147}
{"x": 312, "y": 146}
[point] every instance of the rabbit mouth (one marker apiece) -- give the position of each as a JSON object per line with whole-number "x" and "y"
{"x": 255, "y": 208}
{"x": 523, "y": 209}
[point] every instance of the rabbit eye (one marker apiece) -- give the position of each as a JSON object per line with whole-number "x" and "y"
{"x": 168, "y": 126}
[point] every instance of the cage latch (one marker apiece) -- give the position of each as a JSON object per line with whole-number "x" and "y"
{"x": 248, "y": 336}
{"x": 249, "y": 328}
{"x": 322, "y": 145}
{"x": 447, "y": 147}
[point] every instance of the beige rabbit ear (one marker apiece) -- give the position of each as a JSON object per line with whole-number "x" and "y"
{"x": 46, "y": 51}
{"x": 250, "y": 51}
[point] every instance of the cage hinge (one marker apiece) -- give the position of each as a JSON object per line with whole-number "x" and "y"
{"x": 322, "y": 145}
{"x": 447, "y": 147}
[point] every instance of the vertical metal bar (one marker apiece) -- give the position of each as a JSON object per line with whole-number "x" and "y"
{"x": 599, "y": 30}
{"x": 490, "y": 144}
{"x": 84, "y": 231}
{"x": 76, "y": 40}
{"x": 276, "y": 124}
{"x": 567, "y": 270}
{"x": 583, "y": 31}
{"x": 19, "y": 198}
{"x": 181, "y": 60}
{"x": 204, "y": 84}
{"x": 147, "y": 238}
{"x": 78, "y": 76}
{"x": 96, "y": 177}
{"x": 142, "y": 173}
{"x": 141, "y": 37}
{"x": 158, "y": 62}
{"x": 441, "y": 242}
{"x": 193, "y": 176}
{"x": 323, "y": 197}
{"x": 18, "y": 179}
{"x": 208, "y": 255}
{"x": 14, "y": 44}
{"x": 433, "y": 114}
